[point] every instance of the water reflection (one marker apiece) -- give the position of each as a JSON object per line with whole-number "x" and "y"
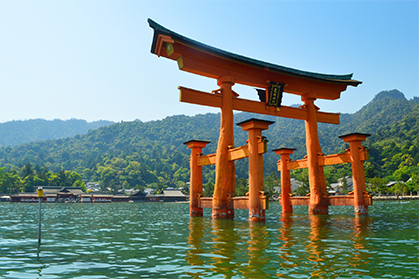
{"x": 225, "y": 248}
{"x": 40, "y": 262}
{"x": 212, "y": 247}
{"x": 361, "y": 256}
{"x": 108, "y": 241}
{"x": 225, "y": 242}
{"x": 287, "y": 236}
{"x": 196, "y": 232}
{"x": 258, "y": 258}
{"x": 316, "y": 245}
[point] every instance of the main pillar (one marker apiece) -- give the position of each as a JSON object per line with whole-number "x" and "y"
{"x": 317, "y": 204}
{"x": 358, "y": 175}
{"x": 222, "y": 207}
{"x": 285, "y": 179}
{"x": 195, "y": 176}
{"x": 255, "y": 128}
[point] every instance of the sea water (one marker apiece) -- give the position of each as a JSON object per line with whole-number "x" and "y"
{"x": 160, "y": 240}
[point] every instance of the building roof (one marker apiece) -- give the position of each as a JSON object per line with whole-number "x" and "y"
{"x": 149, "y": 190}
{"x": 121, "y": 196}
{"x": 391, "y": 183}
{"x": 162, "y": 33}
{"x": 24, "y": 194}
{"x": 59, "y": 189}
{"x": 138, "y": 193}
{"x": 173, "y": 193}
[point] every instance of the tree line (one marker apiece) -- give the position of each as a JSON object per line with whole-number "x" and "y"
{"x": 152, "y": 154}
{"x": 23, "y": 180}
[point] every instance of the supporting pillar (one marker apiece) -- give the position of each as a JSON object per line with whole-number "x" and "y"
{"x": 317, "y": 204}
{"x": 261, "y": 184}
{"x": 195, "y": 177}
{"x": 222, "y": 206}
{"x": 255, "y": 128}
{"x": 321, "y": 172}
{"x": 285, "y": 179}
{"x": 358, "y": 175}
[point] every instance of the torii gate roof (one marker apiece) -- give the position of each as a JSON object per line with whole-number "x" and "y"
{"x": 198, "y": 58}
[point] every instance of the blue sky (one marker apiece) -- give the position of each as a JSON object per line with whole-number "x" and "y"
{"x": 91, "y": 59}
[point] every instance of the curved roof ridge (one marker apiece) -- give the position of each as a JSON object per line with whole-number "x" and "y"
{"x": 159, "y": 29}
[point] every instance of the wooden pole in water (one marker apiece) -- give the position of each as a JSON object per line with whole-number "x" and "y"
{"x": 285, "y": 179}
{"x": 196, "y": 176}
{"x": 255, "y": 127}
{"x": 224, "y": 169}
{"x": 317, "y": 204}
{"x": 358, "y": 175}
{"x": 39, "y": 195}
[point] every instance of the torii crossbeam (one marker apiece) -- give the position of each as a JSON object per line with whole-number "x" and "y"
{"x": 228, "y": 69}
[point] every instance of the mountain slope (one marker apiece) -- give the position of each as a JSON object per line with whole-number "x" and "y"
{"x": 137, "y": 153}
{"x": 394, "y": 150}
{"x": 18, "y": 132}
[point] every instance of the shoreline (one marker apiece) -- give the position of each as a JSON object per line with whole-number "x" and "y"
{"x": 396, "y": 198}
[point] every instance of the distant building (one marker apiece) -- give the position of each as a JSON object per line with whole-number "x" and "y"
{"x": 138, "y": 196}
{"x": 93, "y": 187}
{"x": 295, "y": 184}
{"x": 391, "y": 184}
{"x": 169, "y": 195}
{"x": 130, "y": 191}
{"x": 75, "y": 194}
{"x": 5, "y": 197}
{"x": 150, "y": 191}
{"x": 50, "y": 194}
{"x": 335, "y": 188}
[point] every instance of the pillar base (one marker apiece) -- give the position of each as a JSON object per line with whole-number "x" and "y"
{"x": 287, "y": 211}
{"x": 286, "y": 207}
{"x": 361, "y": 210}
{"x": 318, "y": 210}
{"x": 197, "y": 212}
{"x": 223, "y": 213}
{"x": 257, "y": 217}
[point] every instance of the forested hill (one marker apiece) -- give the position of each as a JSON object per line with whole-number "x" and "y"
{"x": 133, "y": 154}
{"x": 14, "y": 133}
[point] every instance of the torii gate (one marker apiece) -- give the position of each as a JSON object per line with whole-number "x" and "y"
{"x": 228, "y": 68}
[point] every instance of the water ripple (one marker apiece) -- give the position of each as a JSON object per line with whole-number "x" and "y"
{"x": 160, "y": 240}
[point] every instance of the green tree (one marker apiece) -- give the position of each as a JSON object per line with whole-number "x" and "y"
{"x": 400, "y": 188}
{"x": 208, "y": 189}
{"x": 10, "y": 182}
{"x": 303, "y": 190}
{"x": 271, "y": 182}
{"x": 242, "y": 187}
{"x": 344, "y": 187}
{"x": 107, "y": 174}
{"x": 27, "y": 170}
{"x": 376, "y": 185}
{"x": 113, "y": 188}
{"x": 159, "y": 188}
{"x": 413, "y": 183}
{"x": 81, "y": 184}
{"x": 28, "y": 183}
{"x": 185, "y": 189}
{"x": 53, "y": 179}
{"x": 402, "y": 174}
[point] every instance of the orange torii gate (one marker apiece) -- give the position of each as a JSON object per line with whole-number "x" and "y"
{"x": 228, "y": 68}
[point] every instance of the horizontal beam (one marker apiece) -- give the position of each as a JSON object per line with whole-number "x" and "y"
{"x": 338, "y": 200}
{"x": 233, "y": 154}
{"x": 325, "y": 160}
{"x": 206, "y": 160}
{"x": 192, "y": 96}
{"x": 239, "y": 202}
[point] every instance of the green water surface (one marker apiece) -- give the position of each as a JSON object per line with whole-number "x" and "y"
{"x": 160, "y": 240}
